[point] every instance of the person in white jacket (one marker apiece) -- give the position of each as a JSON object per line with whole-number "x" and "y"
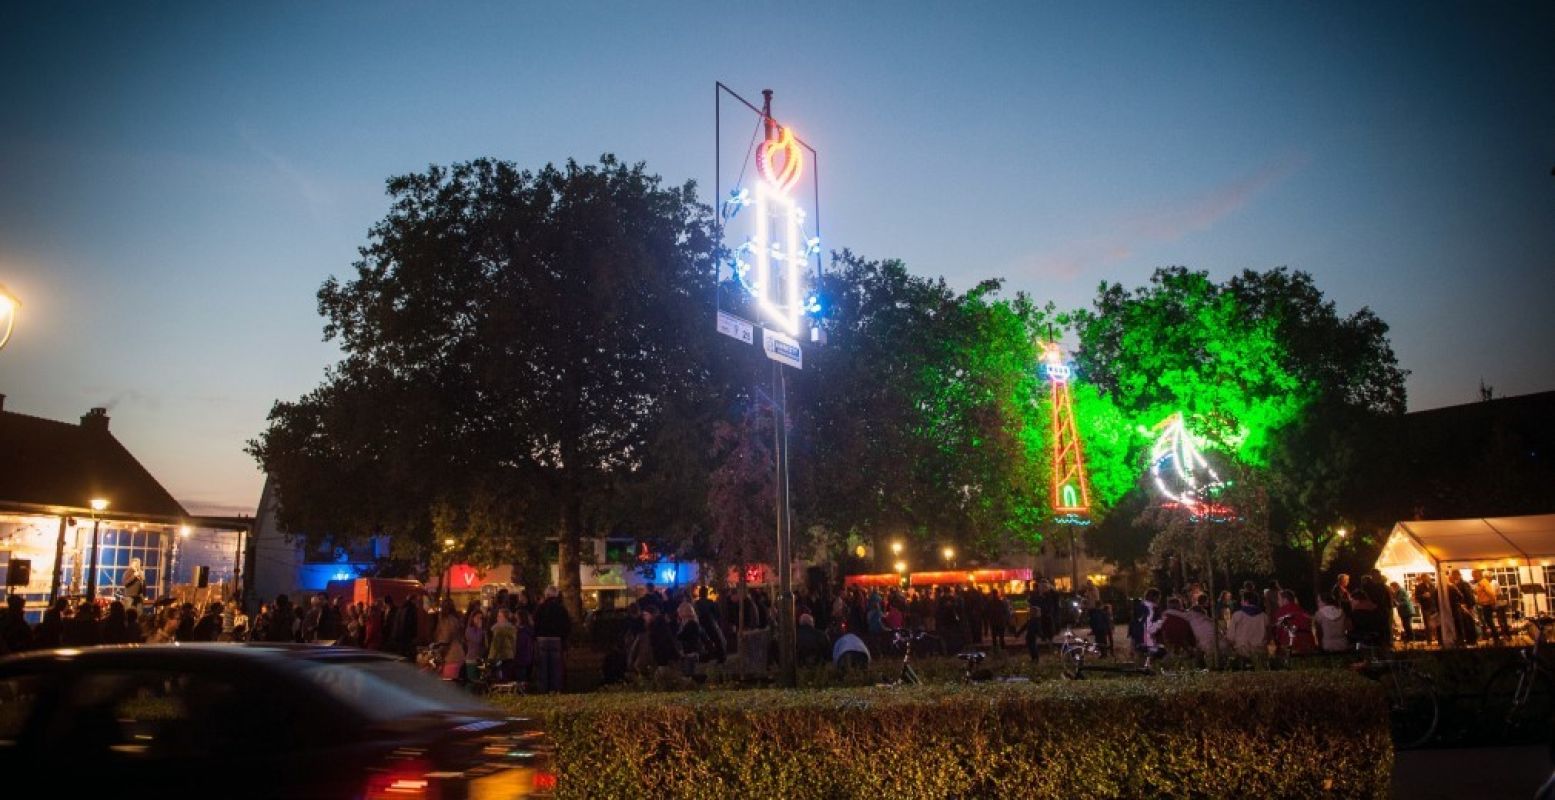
{"x": 1248, "y": 631}
{"x": 1333, "y": 627}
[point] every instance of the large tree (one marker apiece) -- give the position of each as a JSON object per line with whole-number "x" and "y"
{"x": 512, "y": 342}
{"x": 1266, "y": 371}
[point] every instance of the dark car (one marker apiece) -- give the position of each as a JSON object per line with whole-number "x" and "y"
{"x": 257, "y": 720}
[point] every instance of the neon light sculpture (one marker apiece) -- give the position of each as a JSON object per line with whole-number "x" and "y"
{"x": 770, "y": 264}
{"x": 1175, "y": 459}
{"x": 1071, "y": 495}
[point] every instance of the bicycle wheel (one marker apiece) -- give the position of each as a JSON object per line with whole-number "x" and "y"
{"x": 1519, "y": 703}
{"x": 1074, "y": 661}
{"x": 1413, "y": 711}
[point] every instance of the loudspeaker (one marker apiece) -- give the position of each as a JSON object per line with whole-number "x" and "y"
{"x": 19, "y": 573}
{"x": 202, "y": 577}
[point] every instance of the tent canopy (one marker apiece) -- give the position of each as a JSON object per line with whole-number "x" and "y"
{"x": 1469, "y": 540}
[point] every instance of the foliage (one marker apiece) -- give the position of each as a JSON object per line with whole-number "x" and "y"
{"x": 742, "y": 492}
{"x": 1210, "y": 544}
{"x": 1185, "y": 344}
{"x": 513, "y": 341}
{"x": 1178, "y": 736}
{"x": 921, "y": 415}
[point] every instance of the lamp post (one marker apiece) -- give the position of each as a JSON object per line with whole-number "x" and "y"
{"x": 172, "y": 564}
{"x": 8, "y": 307}
{"x": 448, "y": 568}
{"x": 950, "y": 556}
{"x": 901, "y": 571}
{"x": 98, "y": 506}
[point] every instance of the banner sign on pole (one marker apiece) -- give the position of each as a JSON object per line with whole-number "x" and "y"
{"x": 730, "y": 325}
{"x": 781, "y": 348}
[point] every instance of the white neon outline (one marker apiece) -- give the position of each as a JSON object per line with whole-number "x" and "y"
{"x": 1176, "y": 444}
{"x": 770, "y": 199}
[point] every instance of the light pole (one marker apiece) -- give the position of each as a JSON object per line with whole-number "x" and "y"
{"x": 8, "y": 307}
{"x": 448, "y": 567}
{"x": 901, "y": 571}
{"x": 98, "y": 506}
{"x": 950, "y": 556}
{"x": 172, "y": 564}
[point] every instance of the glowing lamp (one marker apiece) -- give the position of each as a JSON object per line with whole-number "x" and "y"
{"x": 98, "y": 504}
{"x": 184, "y": 531}
{"x": 896, "y": 548}
{"x": 901, "y": 566}
{"x": 860, "y": 551}
{"x": 949, "y": 553}
{"x": 449, "y": 542}
{"x": 8, "y": 306}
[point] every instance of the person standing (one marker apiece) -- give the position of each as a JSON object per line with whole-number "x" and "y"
{"x": 134, "y": 585}
{"x": 1427, "y": 601}
{"x": 552, "y": 626}
{"x": 1406, "y": 610}
{"x": 1487, "y": 597}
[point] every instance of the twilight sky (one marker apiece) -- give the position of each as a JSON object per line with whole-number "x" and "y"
{"x": 177, "y": 179}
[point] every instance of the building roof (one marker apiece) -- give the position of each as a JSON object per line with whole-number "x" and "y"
{"x": 61, "y": 466}
{"x": 1466, "y": 541}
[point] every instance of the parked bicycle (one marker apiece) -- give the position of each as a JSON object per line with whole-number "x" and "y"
{"x": 1079, "y": 655}
{"x": 1519, "y": 698}
{"x": 975, "y": 673}
{"x": 1413, "y": 708}
{"x": 903, "y": 639}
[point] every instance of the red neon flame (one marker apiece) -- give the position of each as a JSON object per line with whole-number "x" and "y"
{"x": 785, "y": 178}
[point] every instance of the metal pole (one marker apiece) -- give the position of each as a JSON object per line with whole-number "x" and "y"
{"x": 91, "y": 576}
{"x": 59, "y": 563}
{"x": 785, "y": 600}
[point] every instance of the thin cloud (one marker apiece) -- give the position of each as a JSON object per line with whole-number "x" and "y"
{"x": 313, "y": 193}
{"x": 1164, "y": 224}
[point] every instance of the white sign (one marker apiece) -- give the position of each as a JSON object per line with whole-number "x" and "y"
{"x": 782, "y": 349}
{"x": 730, "y": 325}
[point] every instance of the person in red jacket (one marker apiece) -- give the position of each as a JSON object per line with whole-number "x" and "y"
{"x": 1293, "y": 626}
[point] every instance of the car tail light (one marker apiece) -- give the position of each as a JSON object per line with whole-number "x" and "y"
{"x": 405, "y": 782}
{"x": 545, "y": 781}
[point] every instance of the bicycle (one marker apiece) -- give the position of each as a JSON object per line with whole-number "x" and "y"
{"x": 1075, "y": 650}
{"x": 973, "y": 659}
{"x": 902, "y": 639}
{"x": 1519, "y": 698}
{"x": 1413, "y": 708}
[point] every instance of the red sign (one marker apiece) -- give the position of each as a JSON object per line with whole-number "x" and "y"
{"x": 463, "y": 577}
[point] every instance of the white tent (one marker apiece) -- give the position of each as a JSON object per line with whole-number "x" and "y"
{"x": 1517, "y": 551}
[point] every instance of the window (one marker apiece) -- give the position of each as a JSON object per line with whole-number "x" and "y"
{"x": 1508, "y": 583}
{"x": 19, "y": 696}
{"x": 116, "y": 546}
{"x": 125, "y": 716}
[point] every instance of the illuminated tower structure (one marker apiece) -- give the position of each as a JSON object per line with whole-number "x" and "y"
{"x": 1071, "y": 492}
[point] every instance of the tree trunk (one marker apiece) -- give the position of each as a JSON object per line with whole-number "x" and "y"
{"x": 569, "y": 542}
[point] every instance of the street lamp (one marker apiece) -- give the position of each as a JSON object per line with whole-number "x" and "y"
{"x": 896, "y": 548}
{"x": 949, "y": 553}
{"x": 8, "y": 306}
{"x": 98, "y": 506}
{"x": 1341, "y": 532}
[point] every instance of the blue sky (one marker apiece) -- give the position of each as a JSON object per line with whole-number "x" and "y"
{"x": 176, "y": 180}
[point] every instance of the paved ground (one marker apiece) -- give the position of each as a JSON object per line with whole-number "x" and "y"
{"x": 1471, "y": 772}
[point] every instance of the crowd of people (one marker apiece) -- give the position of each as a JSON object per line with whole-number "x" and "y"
{"x": 1371, "y": 610}
{"x": 77, "y": 623}
{"x": 681, "y": 628}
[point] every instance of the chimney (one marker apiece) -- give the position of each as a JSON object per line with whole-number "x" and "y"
{"x": 96, "y": 420}
{"x": 2, "y": 402}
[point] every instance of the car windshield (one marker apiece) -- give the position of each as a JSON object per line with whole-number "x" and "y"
{"x": 386, "y": 691}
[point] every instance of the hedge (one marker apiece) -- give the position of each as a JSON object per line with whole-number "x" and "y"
{"x": 1276, "y": 734}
